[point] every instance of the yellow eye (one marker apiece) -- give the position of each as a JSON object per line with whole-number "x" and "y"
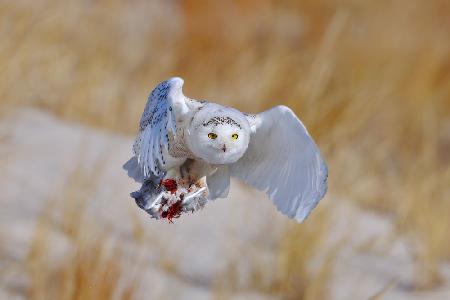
{"x": 212, "y": 135}
{"x": 234, "y": 136}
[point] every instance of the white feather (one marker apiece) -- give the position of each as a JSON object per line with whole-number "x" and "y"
{"x": 164, "y": 105}
{"x": 219, "y": 183}
{"x": 283, "y": 160}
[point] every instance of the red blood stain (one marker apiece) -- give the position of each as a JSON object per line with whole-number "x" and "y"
{"x": 170, "y": 185}
{"x": 174, "y": 211}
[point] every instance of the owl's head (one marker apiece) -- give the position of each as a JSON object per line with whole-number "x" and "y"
{"x": 218, "y": 135}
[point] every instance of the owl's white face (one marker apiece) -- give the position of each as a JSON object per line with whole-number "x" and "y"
{"x": 221, "y": 139}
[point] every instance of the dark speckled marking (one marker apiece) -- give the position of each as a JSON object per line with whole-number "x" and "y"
{"x": 222, "y": 120}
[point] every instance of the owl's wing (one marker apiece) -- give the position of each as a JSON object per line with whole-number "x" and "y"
{"x": 283, "y": 160}
{"x": 218, "y": 183}
{"x": 166, "y": 104}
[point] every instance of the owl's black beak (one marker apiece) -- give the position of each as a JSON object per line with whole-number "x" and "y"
{"x": 224, "y": 148}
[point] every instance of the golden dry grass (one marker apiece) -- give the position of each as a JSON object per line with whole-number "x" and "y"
{"x": 298, "y": 266}
{"x": 94, "y": 262}
{"x": 370, "y": 79}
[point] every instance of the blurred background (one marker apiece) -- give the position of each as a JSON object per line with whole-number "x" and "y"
{"x": 369, "y": 79}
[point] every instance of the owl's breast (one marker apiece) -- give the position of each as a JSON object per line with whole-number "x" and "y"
{"x": 177, "y": 144}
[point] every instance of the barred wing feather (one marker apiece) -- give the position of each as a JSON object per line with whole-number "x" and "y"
{"x": 164, "y": 105}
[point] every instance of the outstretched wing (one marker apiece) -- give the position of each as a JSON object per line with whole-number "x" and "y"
{"x": 165, "y": 105}
{"x": 283, "y": 160}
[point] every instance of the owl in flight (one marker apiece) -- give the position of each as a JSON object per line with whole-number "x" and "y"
{"x": 271, "y": 151}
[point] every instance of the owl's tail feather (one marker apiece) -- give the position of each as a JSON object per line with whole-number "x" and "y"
{"x": 133, "y": 169}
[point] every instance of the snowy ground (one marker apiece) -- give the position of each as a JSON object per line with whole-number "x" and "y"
{"x": 38, "y": 155}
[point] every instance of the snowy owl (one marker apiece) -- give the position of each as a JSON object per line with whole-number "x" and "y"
{"x": 271, "y": 151}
